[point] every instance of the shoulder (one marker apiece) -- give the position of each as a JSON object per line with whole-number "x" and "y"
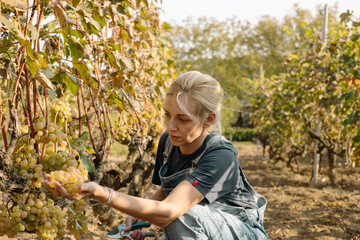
{"x": 217, "y": 143}
{"x": 219, "y": 153}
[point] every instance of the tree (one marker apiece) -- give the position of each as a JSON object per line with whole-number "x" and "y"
{"x": 233, "y": 51}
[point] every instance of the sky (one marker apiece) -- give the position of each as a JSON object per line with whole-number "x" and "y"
{"x": 251, "y": 10}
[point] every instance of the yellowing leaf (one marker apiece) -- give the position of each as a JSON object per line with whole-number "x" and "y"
{"x": 18, "y": 4}
{"x": 7, "y": 21}
{"x": 44, "y": 81}
{"x": 117, "y": 79}
{"x": 127, "y": 62}
{"x": 64, "y": 20}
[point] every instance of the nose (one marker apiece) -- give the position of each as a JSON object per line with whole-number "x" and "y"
{"x": 171, "y": 125}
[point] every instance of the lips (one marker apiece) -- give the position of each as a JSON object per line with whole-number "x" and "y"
{"x": 174, "y": 138}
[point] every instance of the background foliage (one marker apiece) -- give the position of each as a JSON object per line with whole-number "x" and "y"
{"x": 321, "y": 81}
{"x": 301, "y": 79}
{"x": 232, "y": 51}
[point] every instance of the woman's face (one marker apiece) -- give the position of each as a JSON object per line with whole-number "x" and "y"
{"x": 184, "y": 131}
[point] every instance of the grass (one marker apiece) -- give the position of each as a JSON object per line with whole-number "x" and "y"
{"x": 242, "y": 145}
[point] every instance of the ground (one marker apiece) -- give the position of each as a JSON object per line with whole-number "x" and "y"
{"x": 298, "y": 211}
{"x": 295, "y": 209}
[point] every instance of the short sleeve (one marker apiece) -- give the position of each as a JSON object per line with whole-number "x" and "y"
{"x": 216, "y": 174}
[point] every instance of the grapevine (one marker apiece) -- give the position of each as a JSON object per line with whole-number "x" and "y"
{"x": 319, "y": 86}
{"x": 64, "y": 82}
{"x": 38, "y": 212}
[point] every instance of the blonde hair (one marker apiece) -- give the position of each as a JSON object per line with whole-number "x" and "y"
{"x": 200, "y": 90}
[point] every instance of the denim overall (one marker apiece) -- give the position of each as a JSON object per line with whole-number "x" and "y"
{"x": 216, "y": 220}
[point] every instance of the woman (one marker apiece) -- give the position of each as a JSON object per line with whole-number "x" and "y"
{"x": 203, "y": 193}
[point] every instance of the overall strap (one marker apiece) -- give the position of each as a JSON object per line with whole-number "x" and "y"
{"x": 214, "y": 139}
{"x": 260, "y": 200}
{"x": 168, "y": 148}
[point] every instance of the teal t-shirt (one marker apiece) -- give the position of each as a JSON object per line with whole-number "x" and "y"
{"x": 216, "y": 175}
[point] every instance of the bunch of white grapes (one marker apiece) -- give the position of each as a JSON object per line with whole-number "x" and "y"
{"x": 34, "y": 211}
{"x": 71, "y": 179}
{"x": 25, "y": 159}
{"x": 5, "y": 227}
{"x": 60, "y": 109}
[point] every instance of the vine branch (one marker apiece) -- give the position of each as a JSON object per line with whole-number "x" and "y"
{"x": 46, "y": 130}
{"x": 87, "y": 118}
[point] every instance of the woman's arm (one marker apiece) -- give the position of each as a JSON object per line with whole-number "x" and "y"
{"x": 158, "y": 195}
{"x": 160, "y": 213}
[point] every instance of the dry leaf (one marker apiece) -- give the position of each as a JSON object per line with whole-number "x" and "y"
{"x": 18, "y": 4}
{"x": 64, "y": 20}
{"x": 44, "y": 80}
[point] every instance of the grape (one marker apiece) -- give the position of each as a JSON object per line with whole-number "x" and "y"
{"x": 71, "y": 179}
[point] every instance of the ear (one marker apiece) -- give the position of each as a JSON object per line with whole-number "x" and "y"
{"x": 210, "y": 120}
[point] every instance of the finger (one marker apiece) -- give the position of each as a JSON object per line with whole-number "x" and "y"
{"x": 53, "y": 190}
{"x": 84, "y": 187}
{"x": 128, "y": 223}
{"x": 46, "y": 183}
{"x": 63, "y": 192}
{"x": 47, "y": 177}
{"x": 58, "y": 190}
{"x": 136, "y": 234}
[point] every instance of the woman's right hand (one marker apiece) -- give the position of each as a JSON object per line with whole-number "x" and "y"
{"x": 129, "y": 221}
{"x": 86, "y": 190}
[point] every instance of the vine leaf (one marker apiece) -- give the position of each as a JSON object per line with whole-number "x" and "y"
{"x": 84, "y": 73}
{"x": 75, "y": 2}
{"x": 114, "y": 99}
{"x": 76, "y": 49}
{"x": 117, "y": 79}
{"x": 86, "y": 162}
{"x": 94, "y": 23}
{"x": 127, "y": 62}
{"x": 49, "y": 73}
{"x": 115, "y": 59}
{"x": 79, "y": 144}
{"x": 44, "y": 80}
{"x": 64, "y": 20}
{"x": 18, "y": 4}
{"x": 6, "y": 20}
{"x": 69, "y": 80}
{"x": 40, "y": 63}
{"x": 32, "y": 31}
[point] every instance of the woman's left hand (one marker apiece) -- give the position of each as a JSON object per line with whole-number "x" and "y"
{"x": 86, "y": 190}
